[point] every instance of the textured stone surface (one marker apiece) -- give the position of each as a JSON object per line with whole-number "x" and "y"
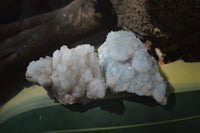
{"x": 128, "y": 67}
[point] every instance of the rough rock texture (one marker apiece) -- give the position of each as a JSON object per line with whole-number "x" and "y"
{"x": 71, "y": 75}
{"x": 132, "y": 15}
{"x": 163, "y": 22}
{"x": 128, "y": 67}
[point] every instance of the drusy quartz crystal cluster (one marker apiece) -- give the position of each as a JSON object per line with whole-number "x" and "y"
{"x": 122, "y": 64}
{"x": 128, "y": 67}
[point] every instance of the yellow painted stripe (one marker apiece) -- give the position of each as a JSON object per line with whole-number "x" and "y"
{"x": 182, "y": 76}
{"x": 123, "y": 127}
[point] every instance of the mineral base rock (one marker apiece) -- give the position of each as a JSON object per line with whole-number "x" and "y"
{"x": 129, "y": 68}
{"x": 71, "y": 75}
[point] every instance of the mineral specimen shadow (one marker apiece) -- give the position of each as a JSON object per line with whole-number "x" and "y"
{"x": 117, "y": 105}
{"x": 112, "y": 105}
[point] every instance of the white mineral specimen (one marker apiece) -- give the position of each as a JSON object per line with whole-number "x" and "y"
{"x": 128, "y": 67}
{"x": 72, "y": 75}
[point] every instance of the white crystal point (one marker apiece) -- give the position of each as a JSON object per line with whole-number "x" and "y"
{"x": 73, "y": 74}
{"x": 128, "y": 67}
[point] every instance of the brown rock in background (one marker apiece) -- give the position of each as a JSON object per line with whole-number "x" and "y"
{"x": 164, "y": 22}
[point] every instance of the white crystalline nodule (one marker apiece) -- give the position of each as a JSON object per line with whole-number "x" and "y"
{"x": 128, "y": 67}
{"x": 122, "y": 50}
{"x": 40, "y": 71}
{"x": 73, "y": 74}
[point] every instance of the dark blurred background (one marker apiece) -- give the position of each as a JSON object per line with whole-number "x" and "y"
{"x": 13, "y": 10}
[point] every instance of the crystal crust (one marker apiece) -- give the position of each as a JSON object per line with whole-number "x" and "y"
{"x": 128, "y": 67}
{"x": 71, "y": 75}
